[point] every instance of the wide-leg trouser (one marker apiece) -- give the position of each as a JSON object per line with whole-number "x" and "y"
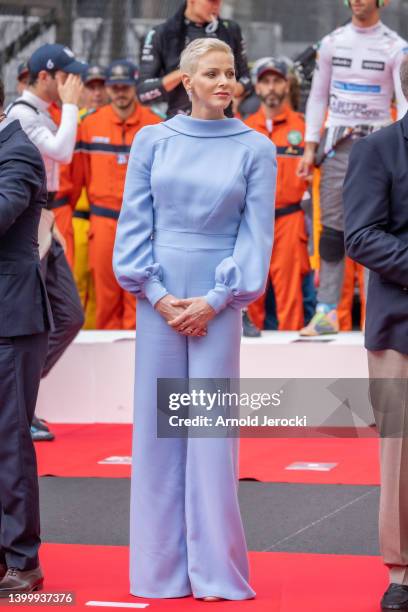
{"x": 186, "y": 530}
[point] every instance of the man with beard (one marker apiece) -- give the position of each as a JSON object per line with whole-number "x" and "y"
{"x": 290, "y": 259}
{"x": 100, "y": 163}
{"x": 356, "y": 77}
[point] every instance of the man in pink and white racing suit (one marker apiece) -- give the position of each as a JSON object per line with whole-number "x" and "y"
{"x": 355, "y": 80}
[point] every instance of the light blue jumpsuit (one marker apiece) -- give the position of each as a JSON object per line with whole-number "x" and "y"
{"x": 197, "y": 220}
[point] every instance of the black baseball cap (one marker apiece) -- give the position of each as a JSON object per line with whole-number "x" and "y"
{"x": 22, "y": 70}
{"x": 122, "y": 72}
{"x": 94, "y": 72}
{"x": 272, "y": 65}
{"x": 55, "y": 57}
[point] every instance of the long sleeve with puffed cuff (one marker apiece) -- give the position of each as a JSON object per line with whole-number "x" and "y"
{"x": 133, "y": 263}
{"x": 241, "y": 278}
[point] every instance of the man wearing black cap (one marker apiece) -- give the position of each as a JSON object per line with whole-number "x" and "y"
{"x": 54, "y": 76}
{"x": 100, "y": 163}
{"x": 160, "y": 78}
{"x": 24, "y": 325}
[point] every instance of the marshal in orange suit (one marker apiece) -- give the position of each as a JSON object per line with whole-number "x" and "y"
{"x": 290, "y": 260}
{"x": 100, "y": 162}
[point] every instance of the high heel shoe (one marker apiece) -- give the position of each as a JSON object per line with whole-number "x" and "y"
{"x": 212, "y": 598}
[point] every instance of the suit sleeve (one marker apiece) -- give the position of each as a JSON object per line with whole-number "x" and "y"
{"x": 20, "y": 180}
{"x": 150, "y": 87}
{"x": 366, "y": 199}
{"x": 133, "y": 262}
{"x": 402, "y": 105}
{"x": 240, "y": 279}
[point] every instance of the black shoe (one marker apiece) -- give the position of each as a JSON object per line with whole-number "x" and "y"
{"x": 39, "y": 424}
{"x": 39, "y": 435}
{"x": 395, "y": 597}
{"x": 18, "y": 581}
{"x": 249, "y": 330}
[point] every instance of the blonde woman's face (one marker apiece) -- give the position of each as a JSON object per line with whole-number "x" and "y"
{"x": 213, "y": 83}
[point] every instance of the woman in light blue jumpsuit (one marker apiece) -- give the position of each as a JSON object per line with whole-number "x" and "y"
{"x": 197, "y": 220}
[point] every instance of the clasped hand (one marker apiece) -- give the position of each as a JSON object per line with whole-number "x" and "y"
{"x": 188, "y": 316}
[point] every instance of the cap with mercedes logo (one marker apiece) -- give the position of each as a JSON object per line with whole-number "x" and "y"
{"x": 272, "y": 65}
{"x": 122, "y": 72}
{"x": 55, "y": 57}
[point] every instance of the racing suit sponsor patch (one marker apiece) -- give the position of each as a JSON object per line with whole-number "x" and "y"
{"x": 345, "y": 62}
{"x": 356, "y": 87}
{"x": 356, "y": 110}
{"x": 372, "y": 65}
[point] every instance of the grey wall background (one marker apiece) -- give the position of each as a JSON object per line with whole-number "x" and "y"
{"x": 301, "y": 21}
{"x": 101, "y": 30}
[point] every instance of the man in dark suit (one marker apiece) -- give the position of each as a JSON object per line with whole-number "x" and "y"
{"x": 25, "y": 320}
{"x": 376, "y": 234}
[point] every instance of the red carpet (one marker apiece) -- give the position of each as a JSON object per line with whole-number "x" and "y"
{"x": 266, "y": 460}
{"x": 283, "y": 582}
{"x": 78, "y": 448}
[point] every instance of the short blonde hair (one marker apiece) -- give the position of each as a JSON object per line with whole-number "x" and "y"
{"x": 197, "y": 49}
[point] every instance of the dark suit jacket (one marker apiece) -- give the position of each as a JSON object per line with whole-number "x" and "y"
{"x": 24, "y": 306}
{"x": 376, "y": 231}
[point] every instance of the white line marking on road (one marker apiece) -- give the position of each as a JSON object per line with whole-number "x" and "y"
{"x": 323, "y": 518}
{"x": 312, "y": 466}
{"x": 116, "y": 460}
{"x": 116, "y": 604}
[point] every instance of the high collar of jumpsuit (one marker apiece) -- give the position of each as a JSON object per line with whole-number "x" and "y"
{"x": 205, "y": 128}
